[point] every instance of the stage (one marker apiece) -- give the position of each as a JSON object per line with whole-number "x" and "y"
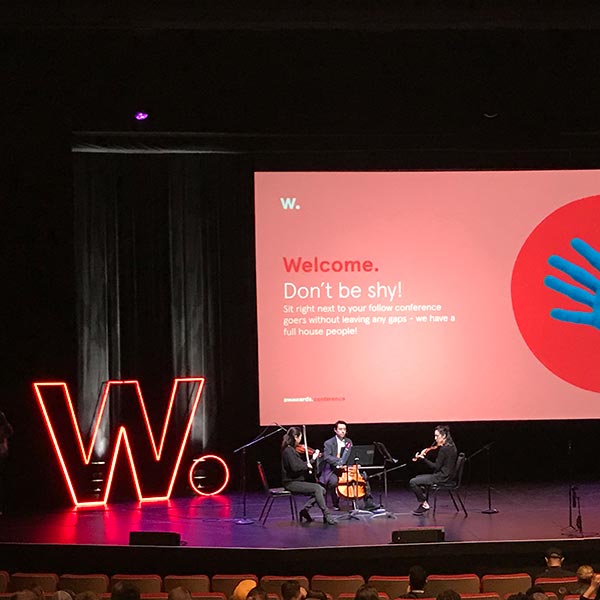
{"x": 529, "y": 518}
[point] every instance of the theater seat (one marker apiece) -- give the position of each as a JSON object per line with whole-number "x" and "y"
{"x": 147, "y": 584}
{"x": 227, "y": 583}
{"x": 24, "y": 581}
{"x": 506, "y": 583}
{"x": 393, "y": 586}
{"x": 194, "y": 583}
{"x": 481, "y": 596}
{"x": 560, "y": 586}
{"x": 334, "y": 585}
{"x": 467, "y": 583}
{"x": 96, "y": 582}
{"x": 3, "y": 581}
{"x": 346, "y": 596}
{"x": 272, "y": 583}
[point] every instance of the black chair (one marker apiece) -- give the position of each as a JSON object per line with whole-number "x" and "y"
{"x": 452, "y": 486}
{"x": 272, "y": 495}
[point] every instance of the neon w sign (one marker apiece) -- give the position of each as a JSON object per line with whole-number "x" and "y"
{"x": 57, "y": 409}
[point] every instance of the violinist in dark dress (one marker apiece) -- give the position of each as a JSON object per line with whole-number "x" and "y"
{"x": 443, "y": 468}
{"x": 296, "y": 473}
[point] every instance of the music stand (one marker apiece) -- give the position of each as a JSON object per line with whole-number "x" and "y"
{"x": 245, "y": 520}
{"x": 388, "y": 459}
{"x": 364, "y": 455}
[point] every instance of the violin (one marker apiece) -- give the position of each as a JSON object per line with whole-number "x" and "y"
{"x": 308, "y": 452}
{"x": 425, "y": 452}
{"x": 351, "y": 484}
{"x": 302, "y": 449}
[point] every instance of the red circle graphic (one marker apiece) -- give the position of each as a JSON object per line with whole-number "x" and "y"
{"x": 571, "y": 351}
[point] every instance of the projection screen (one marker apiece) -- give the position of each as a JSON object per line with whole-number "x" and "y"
{"x": 427, "y": 296}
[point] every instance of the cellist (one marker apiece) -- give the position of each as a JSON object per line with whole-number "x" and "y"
{"x": 336, "y": 453}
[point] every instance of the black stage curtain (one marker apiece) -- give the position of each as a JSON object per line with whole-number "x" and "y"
{"x": 163, "y": 253}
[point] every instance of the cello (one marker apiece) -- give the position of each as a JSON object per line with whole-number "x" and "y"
{"x": 351, "y": 484}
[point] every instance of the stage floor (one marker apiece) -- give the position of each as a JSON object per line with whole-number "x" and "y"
{"x": 526, "y": 512}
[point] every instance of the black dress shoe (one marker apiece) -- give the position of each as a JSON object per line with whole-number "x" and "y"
{"x": 420, "y": 510}
{"x": 328, "y": 520}
{"x": 305, "y": 515}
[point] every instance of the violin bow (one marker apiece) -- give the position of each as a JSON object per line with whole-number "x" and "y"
{"x": 306, "y": 447}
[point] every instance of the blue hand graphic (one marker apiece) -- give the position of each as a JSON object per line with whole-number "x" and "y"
{"x": 579, "y": 275}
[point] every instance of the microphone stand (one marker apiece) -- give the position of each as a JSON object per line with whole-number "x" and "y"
{"x": 578, "y": 522}
{"x": 574, "y": 500}
{"x": 245, "y": 520}
{"x": 489, "y": 510}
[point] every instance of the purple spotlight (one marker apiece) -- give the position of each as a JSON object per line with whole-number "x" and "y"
{"x": 141, "y": 116}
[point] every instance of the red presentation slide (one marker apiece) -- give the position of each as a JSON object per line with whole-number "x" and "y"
{"x": 428, "y": 296}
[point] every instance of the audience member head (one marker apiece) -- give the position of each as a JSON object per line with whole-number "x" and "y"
{"x": 38, "y": 590}
{"x": 316, "y": 595}
{"x": 27, "y": 595}
{"x": 417, "y": 577}
{"x": 518, "y": 596}
{"x": 585, "y": 574}
{"x": 87, "y": 595}
{"x": 242, "y": 588}
{"x": 291, "y": 590}
{"x": 257, "y": 593}
{"x": 366, "y": 592}
{"x": 534, "y": 589}
{"x": 124, "y": 590}
{"x": 535, "y": 592}
{"x": 554, "y": 557}
{"x": 180, "y": 593}
{"x": 448, "y": 595}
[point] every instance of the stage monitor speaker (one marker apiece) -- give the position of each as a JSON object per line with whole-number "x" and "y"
{"x": 419, "y": 535}
{"x": 154, "y": 538}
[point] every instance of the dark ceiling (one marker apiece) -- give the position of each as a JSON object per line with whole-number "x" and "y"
{"x": 375, "y": 15}
{"x": 388, "y": 68}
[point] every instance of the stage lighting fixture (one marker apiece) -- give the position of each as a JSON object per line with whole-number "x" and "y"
{"x": 141, "y": 116}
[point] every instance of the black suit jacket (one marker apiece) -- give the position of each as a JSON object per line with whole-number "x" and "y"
{"x": 330, "y": 460}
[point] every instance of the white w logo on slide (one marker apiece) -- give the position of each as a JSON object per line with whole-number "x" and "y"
{"x": 288, "y": 203}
